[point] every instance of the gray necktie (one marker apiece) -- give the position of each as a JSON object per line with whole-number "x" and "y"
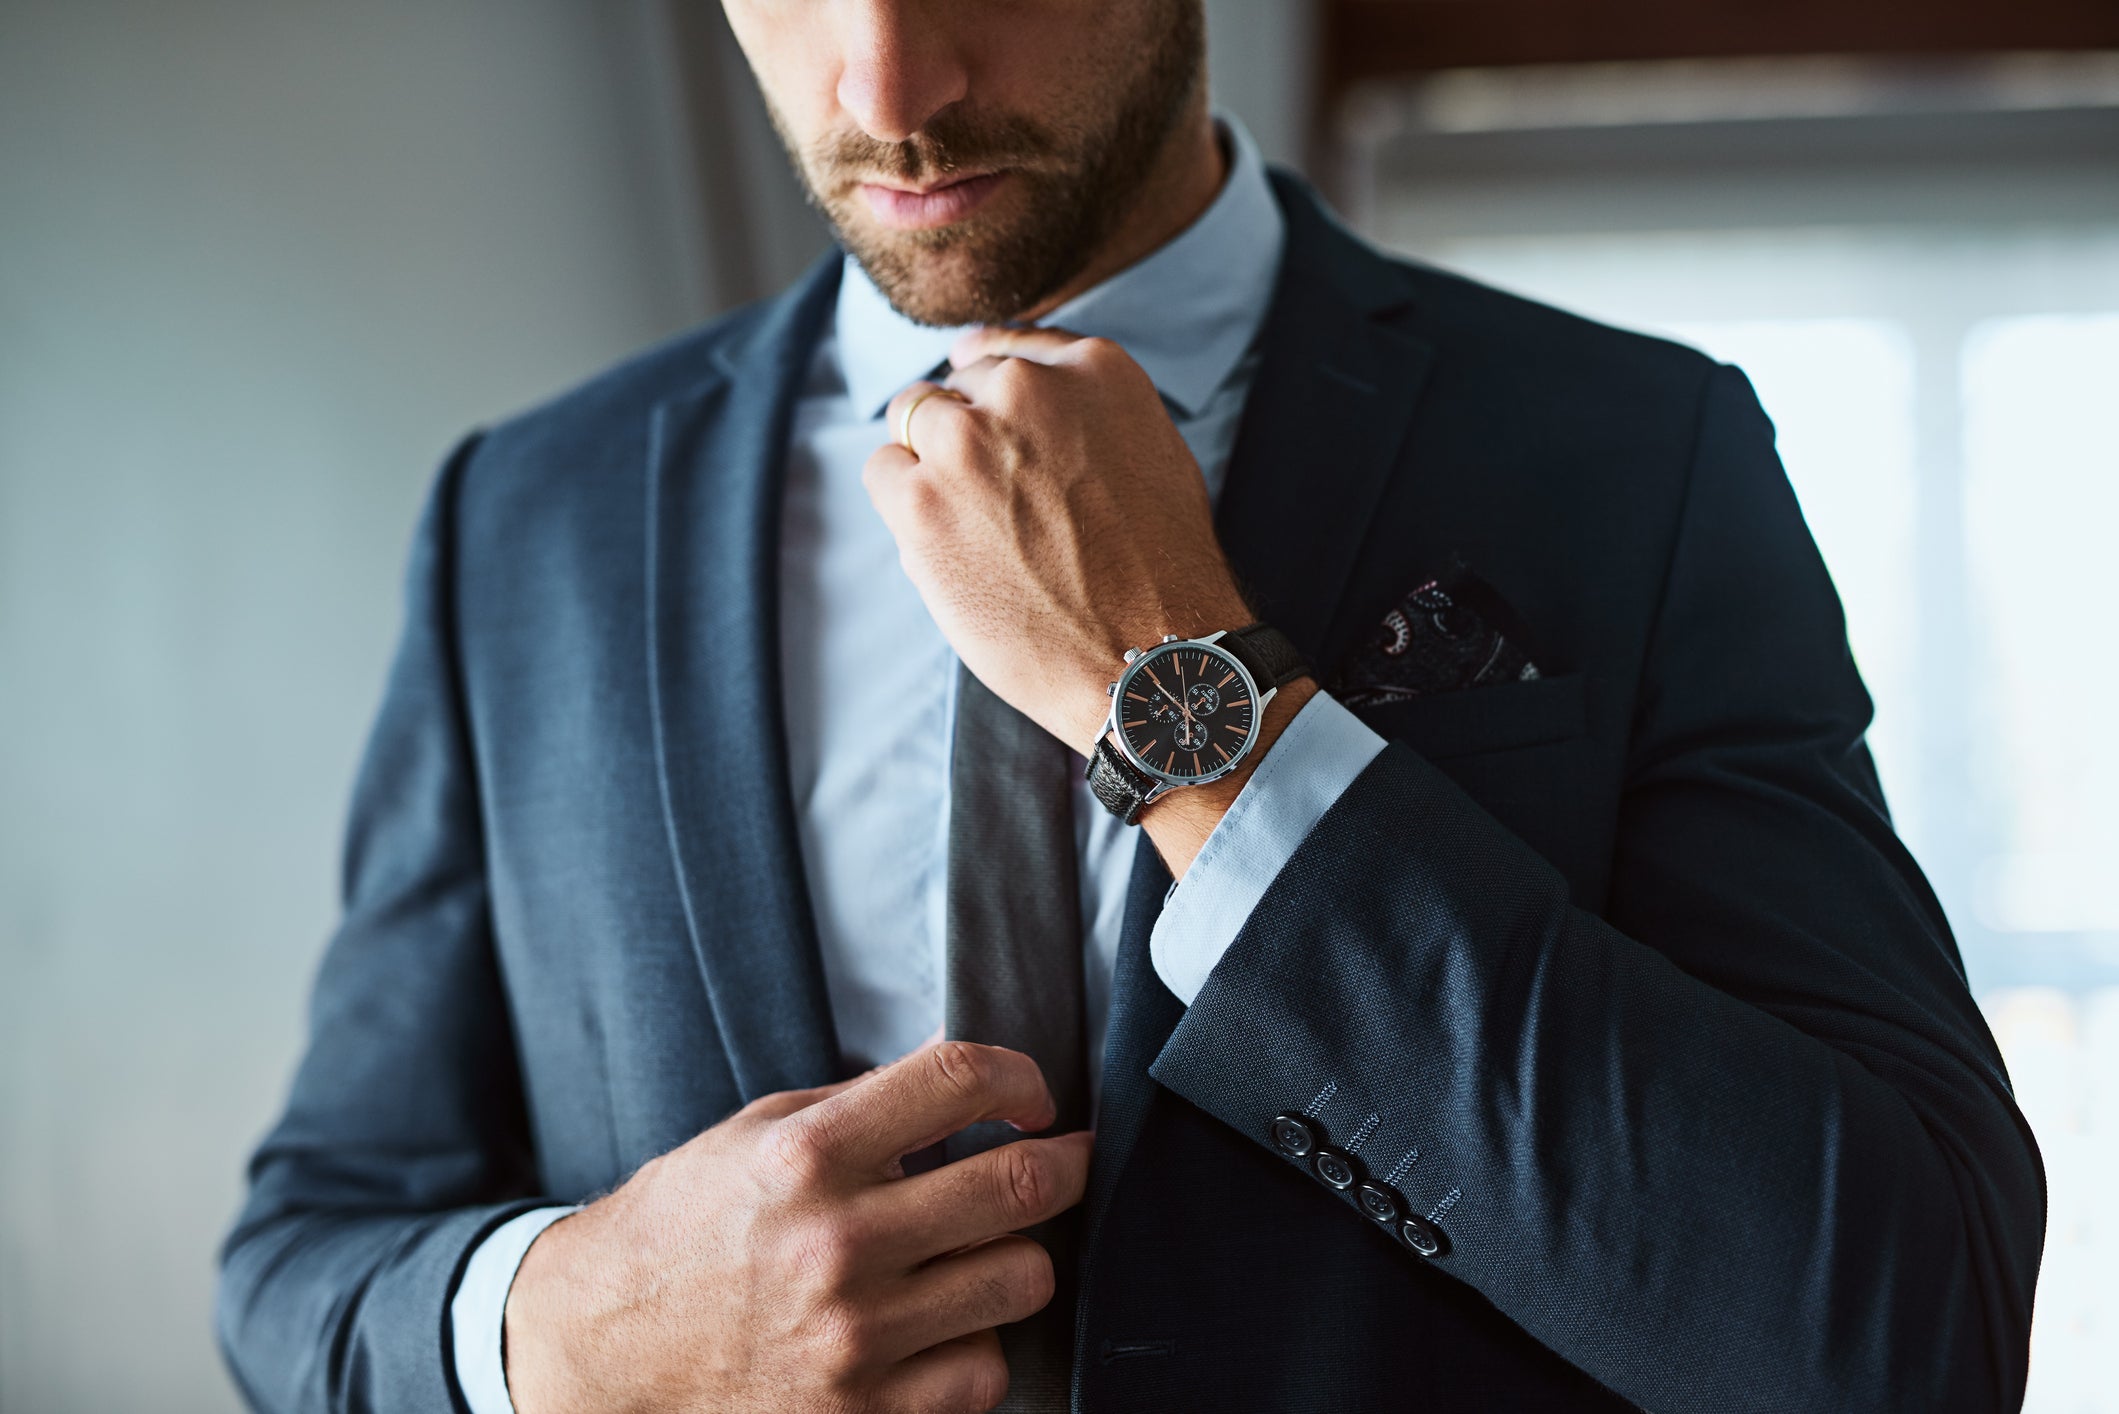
{"x": 1015, "y": 970}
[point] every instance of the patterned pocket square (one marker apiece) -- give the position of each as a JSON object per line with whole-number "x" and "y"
{"x": 1448, "y": 633}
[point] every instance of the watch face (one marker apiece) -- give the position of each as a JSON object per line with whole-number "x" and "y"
{"x": 1186, "y": 711}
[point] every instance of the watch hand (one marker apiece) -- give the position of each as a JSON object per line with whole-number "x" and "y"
{"x": 1164, "y": 690}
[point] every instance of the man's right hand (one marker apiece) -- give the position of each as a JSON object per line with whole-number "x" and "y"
{"x": 782, "y": 1260}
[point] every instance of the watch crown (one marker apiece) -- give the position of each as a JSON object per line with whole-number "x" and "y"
{"x": 1169, "y": 638}
{"x": 1131, "y": 654}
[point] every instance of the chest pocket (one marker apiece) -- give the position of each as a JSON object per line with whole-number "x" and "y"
{"x": 1504, "y": 717}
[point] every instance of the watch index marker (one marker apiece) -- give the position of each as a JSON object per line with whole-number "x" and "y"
{"x": 1162, "y": 742}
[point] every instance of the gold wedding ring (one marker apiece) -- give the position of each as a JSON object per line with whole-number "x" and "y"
{"x": 905, "y": 417}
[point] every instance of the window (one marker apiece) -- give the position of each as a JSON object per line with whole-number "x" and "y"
{"x": 1928, "y": 304}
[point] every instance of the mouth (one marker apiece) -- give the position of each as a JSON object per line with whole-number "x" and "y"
{"x": 942, "y": 204}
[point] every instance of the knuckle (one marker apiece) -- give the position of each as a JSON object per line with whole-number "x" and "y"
{"x": 921, "y": 499}
{"x": 947, "y": 438}
{"x": 845, "y": 1336}
{"x": 1024, "y": 1185}
{"x": 962, "y": 1068}
{"x": 793, "y": 1153}
{"x": 1010, "y": 383}
{"x": 1032, "y": 1281}
{"x": 821, "y": 1255}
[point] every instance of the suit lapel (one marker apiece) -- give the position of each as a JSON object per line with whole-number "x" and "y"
{"x": 1323, "y": 426}
{"x": 716, "y": 458}
{"x": 1322, "y": 429}
{"x": 1143, "y": 1014}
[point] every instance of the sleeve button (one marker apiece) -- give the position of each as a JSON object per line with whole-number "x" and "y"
{"x": 1294, "y": 1136}
{"x": 1423, "y": 1237}
{"x": 1379, "y": 1203}
{"x": 1335, "y": 1169}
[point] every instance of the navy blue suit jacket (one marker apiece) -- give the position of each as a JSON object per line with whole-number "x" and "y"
{"x": 1630, "y": 953}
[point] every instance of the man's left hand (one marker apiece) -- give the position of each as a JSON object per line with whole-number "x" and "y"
{"x": 1051, "y": 519}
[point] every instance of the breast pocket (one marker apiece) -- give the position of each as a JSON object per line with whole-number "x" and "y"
{"x": 1483, "y": 719}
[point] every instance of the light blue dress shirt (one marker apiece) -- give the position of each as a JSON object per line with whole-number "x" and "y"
{"x": 868, "y": 684}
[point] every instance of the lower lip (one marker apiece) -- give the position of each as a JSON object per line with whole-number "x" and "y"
{"x": 920, "y": 211}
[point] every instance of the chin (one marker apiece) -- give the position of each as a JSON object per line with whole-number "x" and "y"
{"x": 940, "y": 287}
{"x": 946, "y": 301}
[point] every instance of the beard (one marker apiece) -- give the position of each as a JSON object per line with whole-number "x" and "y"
{"x": 1074, "y": 179}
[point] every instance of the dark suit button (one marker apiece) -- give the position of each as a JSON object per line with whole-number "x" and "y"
{"x": 1334, "y": 1168}
{"x": 1379, "y": 1203}
{"x": 1294, "y": 1136}
{"x": 1423, "y": 1237}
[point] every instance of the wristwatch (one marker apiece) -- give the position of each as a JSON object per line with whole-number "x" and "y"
{"x": 1186, "y": 712}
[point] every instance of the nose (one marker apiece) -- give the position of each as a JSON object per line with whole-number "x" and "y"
{"x": 901, "y": 66}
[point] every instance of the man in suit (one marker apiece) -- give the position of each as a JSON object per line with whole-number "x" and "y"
{"x": 1520, "y": 1000}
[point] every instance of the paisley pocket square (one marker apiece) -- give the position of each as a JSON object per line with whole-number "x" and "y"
{"x": 1447, "y": 634}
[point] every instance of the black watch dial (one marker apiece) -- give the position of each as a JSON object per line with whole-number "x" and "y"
{"x": 1185, "y": 711}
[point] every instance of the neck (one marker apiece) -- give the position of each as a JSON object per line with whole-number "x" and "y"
{"x": 1186, "y": 176}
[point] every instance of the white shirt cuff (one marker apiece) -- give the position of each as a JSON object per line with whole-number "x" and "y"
{"x": 1310, "y": 766}
{"x": 480, "y": 1306}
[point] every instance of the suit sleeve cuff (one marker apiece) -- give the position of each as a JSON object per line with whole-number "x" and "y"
{"x": 480, "y": 1305}
{"x": 1311, "y": 764}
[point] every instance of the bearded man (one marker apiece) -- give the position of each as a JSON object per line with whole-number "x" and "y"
{"x": 755, "y": 992}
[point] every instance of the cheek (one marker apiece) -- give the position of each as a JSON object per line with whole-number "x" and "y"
{"x": 794, "y": 56}
{"x": 1052, "y": 59}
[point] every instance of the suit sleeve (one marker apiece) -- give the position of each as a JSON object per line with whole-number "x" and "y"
{"x": 1743, "y": 1142}
{"x": 404, "y": 1141}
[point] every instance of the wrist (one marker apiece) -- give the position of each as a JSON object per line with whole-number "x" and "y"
{"x": 545, "y": 1343}
{"x": 1180, "y": 821}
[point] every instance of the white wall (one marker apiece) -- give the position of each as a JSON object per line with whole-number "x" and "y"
{"x": 1261, "y": 66}
{"x": 261, "y": 262}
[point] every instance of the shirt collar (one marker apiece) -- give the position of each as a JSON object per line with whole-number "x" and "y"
{"x": 1186, "y": 313}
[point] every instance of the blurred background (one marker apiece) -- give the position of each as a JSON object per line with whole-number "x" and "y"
{"x": 261, "y": 263}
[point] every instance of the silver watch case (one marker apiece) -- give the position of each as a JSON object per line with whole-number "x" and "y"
{"x": 1135, "y": 659}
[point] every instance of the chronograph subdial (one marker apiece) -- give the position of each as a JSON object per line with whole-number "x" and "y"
{"x": 1186, "y": 712}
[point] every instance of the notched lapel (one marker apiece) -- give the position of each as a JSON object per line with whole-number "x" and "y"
{"x": 716, "y": 455}
{"x": 1323, "y": 427}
